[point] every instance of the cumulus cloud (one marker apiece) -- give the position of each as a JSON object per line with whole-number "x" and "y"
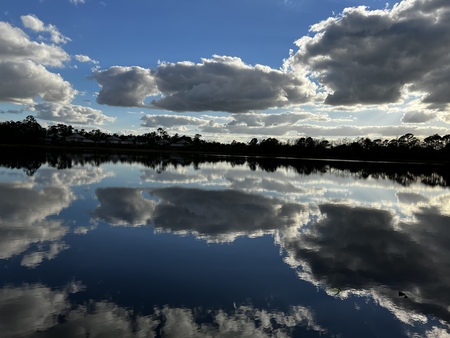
{"x": 75, "y": 176}
{"x": 170, "y": 120}
{"x": 23, "y": 62}
{"x": 35, "y": 310}
{"x": 30, "y": 308}
{"x": 266, "y": 120}
{"x": 417, "y": 117}
{"x": 77, "y": 2}
{"x": 33, "y": 23}
{"x": 23, "y": 217}
{"x": 342, "y": 250}
{"x": 213, "y": 215}
{"x": 70, "y": 113}
{"x": 221, "y": 83}
{"x": 318, "y": 131}
{"x": 227, "y": 84}
{"x": 369, "y": 56}
{"x": 125, "y": 86}
{"x": 27, "y": 80}
{"x": 123, "y": 206}
{"x": 85, "y": 58}
{"x": 16, "y": 46}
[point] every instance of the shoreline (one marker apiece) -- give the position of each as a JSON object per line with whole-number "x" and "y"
{"x": 114, "y": 149}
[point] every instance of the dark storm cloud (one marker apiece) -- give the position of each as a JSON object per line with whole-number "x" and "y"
{"x": 361, "y": 249}
{"x": 368, "y": 57}
{"x": 219, "y": 84}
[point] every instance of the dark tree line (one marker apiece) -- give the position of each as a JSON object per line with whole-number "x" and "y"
{"x": 404, "y": 148}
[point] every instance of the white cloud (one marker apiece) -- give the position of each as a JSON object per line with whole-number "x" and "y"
{"x": 369, "y": 56}
{"x": 125, "y": 86}
{"x": 219, "y": 84}
{"x": 417, "y": 117}
{"x": 34, "y": 309}
{"x": 341, "y": 250}
{"x": 26, "y": 80}
{"x": 16, "y": 46}
{"x": 75, "y": 176}
{"x": 267, "y": 120}
{"x": 70, "y": 113}
{"x": 23, "y": 217}
{"x": 30, "y": 308}
{"x": 33, "y": 23}
{"x": 216, "y": 216}
{"x": 77, "y": 2}
{"x": 23, "y": 62}
{"x": 170, "y": 121}
{"x": 225, "y": 83}
{"x": 85, "y": 58}
{"x": 318, "y": 131}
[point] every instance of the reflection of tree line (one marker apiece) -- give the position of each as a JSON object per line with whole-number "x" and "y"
{"x": 403, "y": 173}
{"x": 406, "y": 147}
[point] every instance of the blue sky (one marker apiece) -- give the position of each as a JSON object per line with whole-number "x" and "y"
{"x": 229, "y": 69}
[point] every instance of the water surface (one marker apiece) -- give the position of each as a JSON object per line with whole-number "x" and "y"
{"x": 167, "y": 246}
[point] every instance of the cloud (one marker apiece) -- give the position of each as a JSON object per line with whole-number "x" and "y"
{"x": 266, "y": 120}
{"x": 36, "y": 310}
{"x": 369, "y": 56}
{"x": 12, "y": 111}
{"x": 16, "y": 46}
{"x": 228, "y": 84}
{"x": 214, "y": 215}
{"x": 33, "y": 259}
{"x": 75, "y": 176}
{"x": 23, "y": 63}
{"x": 123, "y": 206}
{"x": 77, "y": 2}
{"x": 33, "y": 23}
{"x": 30, "y": 308}
{"x": 23, "y": 217}
{"x": 70, "y": 113}
{"x": 125, "y": 86}
{"x": 342, "y": 250}
{"x": 170, "y": 121}
{"x": 417, "y": 117}
{"x": 317, "y": 131}
{"x": 85, "y": 58}
{"x": 27, "y": 80}
{"x": 219, "y": 84}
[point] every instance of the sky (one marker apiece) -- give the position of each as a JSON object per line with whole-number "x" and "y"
{"x": 229, "y": 69}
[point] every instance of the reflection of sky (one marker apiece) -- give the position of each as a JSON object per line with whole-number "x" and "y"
{"x": 40, "y": 306}
{"x": 359, "y": 242}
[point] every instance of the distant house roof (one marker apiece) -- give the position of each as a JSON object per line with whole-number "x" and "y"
{"x": 180, "y": 143}
{"x": 113, "y": 139}
{"x": 162, "y": 142}
{"x": 77, "y": 138}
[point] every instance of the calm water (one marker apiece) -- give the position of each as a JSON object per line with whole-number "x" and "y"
{"x": 177, "y": 247}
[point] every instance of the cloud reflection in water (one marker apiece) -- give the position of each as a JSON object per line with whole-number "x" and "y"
{"x": 39, "y": 311}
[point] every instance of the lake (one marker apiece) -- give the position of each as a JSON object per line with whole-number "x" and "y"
{"x": 169, "y": 246}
